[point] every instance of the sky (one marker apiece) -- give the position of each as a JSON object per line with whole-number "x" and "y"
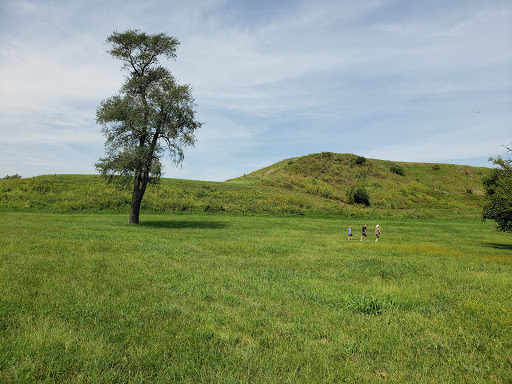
{"x": 401, "y": 80}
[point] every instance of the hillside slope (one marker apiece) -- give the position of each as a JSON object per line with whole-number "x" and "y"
{"x": 390, "y": 185}
{"x": 318, "y": 184}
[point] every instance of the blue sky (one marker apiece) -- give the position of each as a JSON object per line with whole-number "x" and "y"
{"x": 420, "y": 81}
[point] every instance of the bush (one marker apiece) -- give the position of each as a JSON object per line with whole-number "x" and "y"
{"x": 13, "y": 177}
{"x": 397, "y": 169}
{"x": 361, "y": 160}
{"x": 359, "y": 196}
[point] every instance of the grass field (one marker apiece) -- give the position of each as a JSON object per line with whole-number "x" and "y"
{"x": 218, "y": 298}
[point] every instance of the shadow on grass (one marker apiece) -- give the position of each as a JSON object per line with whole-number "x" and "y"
{"x": 507, "y": 247}
{"x": 183, "y": 224}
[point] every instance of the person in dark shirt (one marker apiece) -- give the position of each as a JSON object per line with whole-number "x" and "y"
{"x": 364, "y": 233}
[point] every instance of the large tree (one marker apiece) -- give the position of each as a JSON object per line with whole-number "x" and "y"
{"x": 498, "y": 194}
{"x": 152, "y": 114}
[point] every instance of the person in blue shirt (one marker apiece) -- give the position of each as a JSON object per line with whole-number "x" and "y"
{"x": 350, "y": 233}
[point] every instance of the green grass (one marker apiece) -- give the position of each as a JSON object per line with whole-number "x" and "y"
{"x": 315, "y": 185}
{"x": 416, "y": 189}
{"x": 219, "y": 298}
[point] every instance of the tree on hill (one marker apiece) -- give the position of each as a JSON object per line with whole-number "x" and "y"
{"x": 498, "y": 194}
{"x": 152, "y": 115}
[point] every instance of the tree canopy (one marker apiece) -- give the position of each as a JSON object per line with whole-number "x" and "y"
{"x": 152, "y": 114}
{"x": 498, "y": 194}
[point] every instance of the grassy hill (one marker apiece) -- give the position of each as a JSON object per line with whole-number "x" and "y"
{"x": 318, "y": 184}
{"x": 390, "y": 185}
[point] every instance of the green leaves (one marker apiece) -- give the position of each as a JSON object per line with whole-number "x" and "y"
{"x": 358, "y": 195}
{"x": 151, "y": 114}
{"x": 139, "y": 50}
{"x": 120, "y": 168}
{"x": 498, "y": 191}
{"x": 397, "y": 170}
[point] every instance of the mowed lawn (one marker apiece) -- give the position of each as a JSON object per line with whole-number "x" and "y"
{"x": 252, "y": 299}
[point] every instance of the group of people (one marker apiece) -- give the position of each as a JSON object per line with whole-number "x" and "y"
{"x": 364, "y": 233}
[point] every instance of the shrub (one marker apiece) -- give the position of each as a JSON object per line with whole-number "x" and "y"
{"x": 397, "y": 169}
{"x": 436, "y": 167}
{"x": 361, "y": 160}
{"x": 359, "y": 195}
{"x": 13, "y": 177}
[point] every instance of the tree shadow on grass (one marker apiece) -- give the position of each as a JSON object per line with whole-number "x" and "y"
{"x": 176, "y": 224}
{"x": 507, "y": 247}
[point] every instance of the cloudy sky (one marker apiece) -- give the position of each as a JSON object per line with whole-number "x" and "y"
{"x": 402, "y": 80}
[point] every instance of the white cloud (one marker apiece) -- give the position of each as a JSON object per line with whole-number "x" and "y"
{"x": 287, "y": 79}
{"x": 447, "y": 147}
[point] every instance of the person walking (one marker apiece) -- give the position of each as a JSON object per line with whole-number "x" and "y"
{"x": 350, "y": 233}
{"x": 377, "y": 232}
{"x": 364, "y": 233}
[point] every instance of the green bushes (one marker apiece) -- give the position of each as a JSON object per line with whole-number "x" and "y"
{"x": 12, "y": 177}
{"x": 359, "y": 195}
{"x": 397, "y": 169}
{"x": 360, "y": 160}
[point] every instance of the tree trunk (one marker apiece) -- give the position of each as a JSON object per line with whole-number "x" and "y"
{"x": 135, "y": 211}
{"x": 139, "y": 187}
